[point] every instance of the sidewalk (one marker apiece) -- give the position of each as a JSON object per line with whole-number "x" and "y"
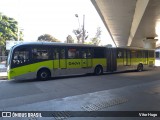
{"x": 3, "y": 71}
{"x": 3, "y": 75}
{"x": 157, "y": 62}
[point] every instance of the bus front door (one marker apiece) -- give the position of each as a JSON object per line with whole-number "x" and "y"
{"x": 127, "y": 58}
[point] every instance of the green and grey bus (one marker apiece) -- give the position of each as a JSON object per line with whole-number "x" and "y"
{"x": 43, "y": 60}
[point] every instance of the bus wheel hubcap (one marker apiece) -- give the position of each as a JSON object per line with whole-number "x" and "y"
{"x": 98, "y": 70}
{"x": 44, "y": 75}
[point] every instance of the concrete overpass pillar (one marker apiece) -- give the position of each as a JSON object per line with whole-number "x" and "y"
{"x": 150, "y": 43}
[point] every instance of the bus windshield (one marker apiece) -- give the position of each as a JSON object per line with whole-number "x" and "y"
{"x": 20, "y": 56}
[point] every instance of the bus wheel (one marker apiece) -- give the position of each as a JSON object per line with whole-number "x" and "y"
{"x": 98, "y": 70}
{"x": 43, "y": 74}
{"x": 140, "y": 68}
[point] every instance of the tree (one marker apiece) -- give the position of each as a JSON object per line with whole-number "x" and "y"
{"x": 8, "y": 31}
{"x": 96, "y": 40}
{"x": 48, "y": 38}
{"x": 70, "y": 39}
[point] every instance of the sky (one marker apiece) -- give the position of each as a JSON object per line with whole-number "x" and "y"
{"x": 55, "y": 17}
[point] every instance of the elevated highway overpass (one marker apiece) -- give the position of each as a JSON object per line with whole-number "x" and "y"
{"x": 133, "y": 23}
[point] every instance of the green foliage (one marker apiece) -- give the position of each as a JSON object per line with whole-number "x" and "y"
{"x": 8, "y": 30}
{"x": 96, "y": 40}
{"x": 47, "y": 38}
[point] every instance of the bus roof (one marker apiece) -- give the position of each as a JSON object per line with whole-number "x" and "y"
{"x": 56, "y": 44}
{"x": 74, "y": 44}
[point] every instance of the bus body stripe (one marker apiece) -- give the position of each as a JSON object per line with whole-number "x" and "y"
{"x": 29, "y": 68}
{"x": 55, "y": 64}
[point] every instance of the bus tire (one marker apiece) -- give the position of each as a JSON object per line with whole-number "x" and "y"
{"x": 140, "y": 68}
{"x": 43, "y": 74}
{"x": 98, "y": 70}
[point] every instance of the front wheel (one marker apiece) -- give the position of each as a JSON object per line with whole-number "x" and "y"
{"x": 98, "y": 70}
{"x": 43, "y": 74}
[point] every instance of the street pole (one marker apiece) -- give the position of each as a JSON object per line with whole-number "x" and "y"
{"x": 83, "y": 29}
{"x": 78, "y": 20}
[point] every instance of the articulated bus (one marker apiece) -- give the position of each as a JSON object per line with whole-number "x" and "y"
{"x": 43, "y": 60}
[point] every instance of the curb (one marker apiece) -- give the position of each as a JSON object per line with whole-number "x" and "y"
{"x": 3, "y": 78}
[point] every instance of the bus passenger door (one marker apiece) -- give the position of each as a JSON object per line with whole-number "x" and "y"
{"x": 62, "y": 60}
{"x": 89, "y": 58}
{"x": 111, "y": 59}
{"x": 56, "y": 63}
{"x": 145, "y": 57}
{"x": 127, "y": 57}
{"x": 84, "y": 59}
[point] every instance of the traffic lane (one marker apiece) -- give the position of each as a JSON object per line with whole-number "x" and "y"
{"x": 110, "y": 81}
{"x": 84, "y": 83}
{"x": 25, "y": 92}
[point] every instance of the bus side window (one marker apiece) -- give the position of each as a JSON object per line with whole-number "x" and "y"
{"x": 151, "y": 54}
{"x": 84, "y": 55}
{"x": 99, "y": 52}
{"x": 119, "y": 54}
{"x": 55, "y": 54}
{"x": 73, "y": 53}
{"x": 40, "y": 54}
{"x": 139, "y": 54}
{"x": 89, "y": 54}
{"x": 133, "y": 54}
{"x": 62, "y": 54}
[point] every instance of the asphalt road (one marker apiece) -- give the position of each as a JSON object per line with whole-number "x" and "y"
{"x": 16, "y": 93}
